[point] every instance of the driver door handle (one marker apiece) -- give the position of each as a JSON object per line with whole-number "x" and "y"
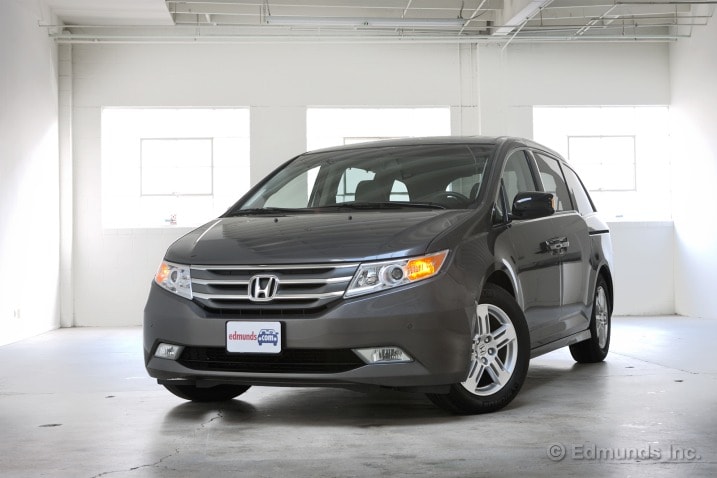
{"x": 557, "y": 244}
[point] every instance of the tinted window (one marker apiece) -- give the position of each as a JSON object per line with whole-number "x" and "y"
{"x": 577, "y": 191}
{"x": 553, "y": 181}
{"x": 350, "y": 179}
{"x": 468, "y": 186}
{"x": 517, "y": 176}
{"x": 442, "y": 175}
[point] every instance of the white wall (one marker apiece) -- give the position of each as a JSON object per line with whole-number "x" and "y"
{"x": 693, "y": 64}
{"x": 525, "y": 75}
{"x": 644, "y": 267}
{"x": 29, "y": 173}
{"x": 489, "y": 91}
{"x": 113, "y": 269}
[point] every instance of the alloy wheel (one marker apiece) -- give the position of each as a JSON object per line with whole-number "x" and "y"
{"x": 602, "y": 322}
{"x": 494, "y": 353}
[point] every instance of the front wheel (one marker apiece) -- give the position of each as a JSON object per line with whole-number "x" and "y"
{"x": 499, "y": 357}
{"x": 595, "y": 348}
{"x": 219, "y": 393}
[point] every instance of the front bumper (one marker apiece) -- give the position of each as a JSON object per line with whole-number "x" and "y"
{"x": 430, "y": 321}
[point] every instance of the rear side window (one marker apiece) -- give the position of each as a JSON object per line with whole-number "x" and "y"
{"x": 553, "y": 181}
{"x": 580, "y": 197}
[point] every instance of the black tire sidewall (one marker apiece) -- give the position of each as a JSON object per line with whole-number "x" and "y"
{"x": 219, "y": 393}
{"x": 589, "y": 351}
{"x": 603, "y": 351}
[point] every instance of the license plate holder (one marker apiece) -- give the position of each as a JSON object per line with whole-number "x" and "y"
{"x": 254, "y": 337}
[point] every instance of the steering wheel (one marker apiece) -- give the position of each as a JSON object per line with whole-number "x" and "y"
{"x": 449, "y": 198}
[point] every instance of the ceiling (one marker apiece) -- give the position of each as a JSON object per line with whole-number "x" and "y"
{"x": 456, "y": 21}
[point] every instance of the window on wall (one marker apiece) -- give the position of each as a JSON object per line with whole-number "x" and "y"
{"x": 621, "y": 154}
{"x": 337, "y": 126}
{"x": 350, "y": 140}
{"x": 176, "y": 166}
{"x": 608, "y": 162}
{"x": 328, "y": 127}
{"x": 172, "y": 167}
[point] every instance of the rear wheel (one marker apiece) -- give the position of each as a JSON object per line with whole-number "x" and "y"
{"x": 595, "y": 348}
{"x": 219, "y": 393}
{"x": 499, "y": 357}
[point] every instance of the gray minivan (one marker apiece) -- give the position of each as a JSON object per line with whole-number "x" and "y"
{"x": 433, "y": 265}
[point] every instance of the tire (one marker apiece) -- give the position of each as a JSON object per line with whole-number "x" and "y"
{"x": 219, "y": 393}
{"x": 499, "y": 357}
{"x": 595, "y": 348}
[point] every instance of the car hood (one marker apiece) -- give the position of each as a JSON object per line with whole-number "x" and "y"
{"x": 312, "y": 238}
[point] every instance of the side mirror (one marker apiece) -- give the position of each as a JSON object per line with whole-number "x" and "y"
{"x": 533, "y": 205}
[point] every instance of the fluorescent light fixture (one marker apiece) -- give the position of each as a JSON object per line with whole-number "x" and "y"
{"x": 365, "y": 22}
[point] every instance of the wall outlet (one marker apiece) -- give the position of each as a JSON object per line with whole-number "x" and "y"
{"x": 16, "y": 313}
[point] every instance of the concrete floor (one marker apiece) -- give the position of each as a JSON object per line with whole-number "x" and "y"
{"x": 78, "y": 403}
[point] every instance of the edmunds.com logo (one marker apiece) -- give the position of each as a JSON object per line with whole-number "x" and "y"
{"x": 244, "y": 337}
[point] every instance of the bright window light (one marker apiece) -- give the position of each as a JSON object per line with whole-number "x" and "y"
{"x": 328, "y": 127}
{"x": 622, "y": 154}
{"x": 607, "y": 162}
{"x": 180, "y": 166}
{"x": 336, "y": 126}
{"x": 172, "y": 167}
{"x": 350, "y": 140}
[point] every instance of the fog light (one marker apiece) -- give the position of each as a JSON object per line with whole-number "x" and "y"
{"x": 383, "y": 355}
{"x": 169, "y": 351}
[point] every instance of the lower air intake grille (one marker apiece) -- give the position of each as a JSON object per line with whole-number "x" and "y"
{"x": 216, "y": 359}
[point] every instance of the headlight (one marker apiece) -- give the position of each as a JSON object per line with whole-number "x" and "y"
{"x": 375, "y": 276}
{"x": 175, "y": 278}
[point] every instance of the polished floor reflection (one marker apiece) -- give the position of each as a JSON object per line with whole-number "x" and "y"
{"x": 78, "y": 403}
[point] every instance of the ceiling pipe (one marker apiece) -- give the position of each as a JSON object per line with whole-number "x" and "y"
{"x": 69, "y": 38}
{"x": 595, "y": 21}
{"x": 405, "y": 10}
{"x": 364, "y": 22}
{"x": 473, "y": 16}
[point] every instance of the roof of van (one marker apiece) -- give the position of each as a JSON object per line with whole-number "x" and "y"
{"x": 437, "y": 140}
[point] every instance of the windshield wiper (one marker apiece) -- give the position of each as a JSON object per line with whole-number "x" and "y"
{"x": 354, "y": 206}
{"x": 383, "y": 205}
{"x": 264, "y": 211}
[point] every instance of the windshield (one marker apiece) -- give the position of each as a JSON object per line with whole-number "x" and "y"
{"x": 441, "y": 176}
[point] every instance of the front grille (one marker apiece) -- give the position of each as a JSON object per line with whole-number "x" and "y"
{"x": 216, "y": 359}
{"x": 302, "y": 289}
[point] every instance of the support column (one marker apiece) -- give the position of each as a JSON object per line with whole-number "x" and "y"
{"x": 67, "y": 299}
{"x": 465, "y": 118}
{"x": 278, "y": 133}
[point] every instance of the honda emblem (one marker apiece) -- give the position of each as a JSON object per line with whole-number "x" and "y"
{"x": 263, "y": 288}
